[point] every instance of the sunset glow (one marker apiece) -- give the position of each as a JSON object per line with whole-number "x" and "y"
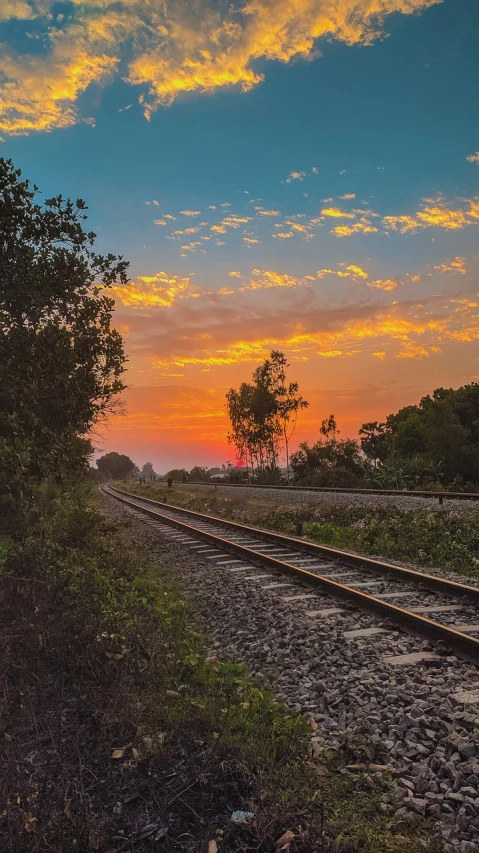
{"x": 301, "y": 176}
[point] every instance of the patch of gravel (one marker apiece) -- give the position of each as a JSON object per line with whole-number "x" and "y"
{"x": 401, "y": 717}
{"x": 346, "y": 499}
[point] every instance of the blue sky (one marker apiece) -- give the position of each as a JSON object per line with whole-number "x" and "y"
{"x": 381, "y": 283}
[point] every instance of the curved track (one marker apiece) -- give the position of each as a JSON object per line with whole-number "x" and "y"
{"x": 340, "y": 574}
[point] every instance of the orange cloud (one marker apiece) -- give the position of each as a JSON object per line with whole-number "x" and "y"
{"x": 186, "y": 326}
{"x": 473, "y": 158}
{"x": 295, "y": 176}
{"x": 159, "y": 290}
{"x": 386, "y": 284}
{"x": 455, "y": 266}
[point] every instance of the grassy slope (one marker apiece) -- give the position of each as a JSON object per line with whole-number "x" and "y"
{"x": 118, "y": 730}
{"x": 445, "y": 539}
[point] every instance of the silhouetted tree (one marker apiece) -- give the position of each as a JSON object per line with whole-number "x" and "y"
{"x": 115, "y": 465}
{"x": 60, "y": 359}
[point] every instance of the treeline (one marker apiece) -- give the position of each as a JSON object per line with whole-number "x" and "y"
{"x": 432, "y": 445}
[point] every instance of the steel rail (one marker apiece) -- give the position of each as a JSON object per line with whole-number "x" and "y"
{"x": 357, "y": 561}
{"x": 464, "y": 646}
{"x": 458, "y": 496}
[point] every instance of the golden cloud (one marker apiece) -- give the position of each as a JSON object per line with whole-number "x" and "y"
{"x": 350, "y": 271}
{"x": 283, "y": 235}
{"x": 386, "y": 284}
{"x": 435, "y": 213}
{"x": 337, "y": 213}
{"x": 166, "y": 318}
{"x": 356, "y": 271}
{"x": 363, "y": 226}
{"x": 262, "y": 212}
{"x": 473, "y": 158}
{"x": 40, "y": 93}
{"x": 455, "y": 266}
{"x": 160, "y": 290}
{"x": 190, "y": 212}
{"x": 169, "y": 47}
{"x": 235, "y": 221}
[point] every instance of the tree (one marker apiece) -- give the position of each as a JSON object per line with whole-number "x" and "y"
{"x": 329, "y": 462}
{"x": 176, "y": 473}
{"x": 199, "y": 474}
{"x": 373, "y": 441}
{"x": 147, "y": 471}
{"x": 115, "y": 465}
{"x": 437, "y": 442}
{"x": 263, "y": 415}
{"x": 328, "y": 427}
{"x": 272, "y": 375}
{"x": 253, "y": 428}
{"x": 61, "y": 361}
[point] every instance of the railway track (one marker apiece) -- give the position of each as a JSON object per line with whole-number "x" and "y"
{"x": 416, "y": 493}
{"x": 409, "y": 599}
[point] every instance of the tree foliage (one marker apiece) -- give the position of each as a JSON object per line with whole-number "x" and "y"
{"x": 148, "y": 471}
{"x": 263, "y": 415}
{"x": 435, "y": 443}
{"x": 330, "y": 462}
{"x": 115, "y": 465}
{"x": 198, "y": 474}
{"x": 61, "y": 362}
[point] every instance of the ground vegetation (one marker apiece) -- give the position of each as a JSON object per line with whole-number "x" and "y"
{"x": 121, "y": 733}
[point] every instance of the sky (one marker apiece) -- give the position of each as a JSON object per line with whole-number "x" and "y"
{"x": 300, "y": 175}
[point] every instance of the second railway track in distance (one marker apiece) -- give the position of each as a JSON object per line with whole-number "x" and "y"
{"x": 439, "y": 610}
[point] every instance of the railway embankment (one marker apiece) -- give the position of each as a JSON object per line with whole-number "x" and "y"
{"x": 413, "y": 531}
{"x": 129, "y": 722}
{"x": 371, "y": 709}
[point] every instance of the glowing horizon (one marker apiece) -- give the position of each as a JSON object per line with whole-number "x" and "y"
{"x": 281, "y": 175}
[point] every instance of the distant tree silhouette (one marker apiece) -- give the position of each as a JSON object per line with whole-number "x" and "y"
{"x": 115, "y": 465}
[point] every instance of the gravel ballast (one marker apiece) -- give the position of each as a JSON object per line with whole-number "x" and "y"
{"x": 401, "y": 717}
{"x": 344, "y": 499}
